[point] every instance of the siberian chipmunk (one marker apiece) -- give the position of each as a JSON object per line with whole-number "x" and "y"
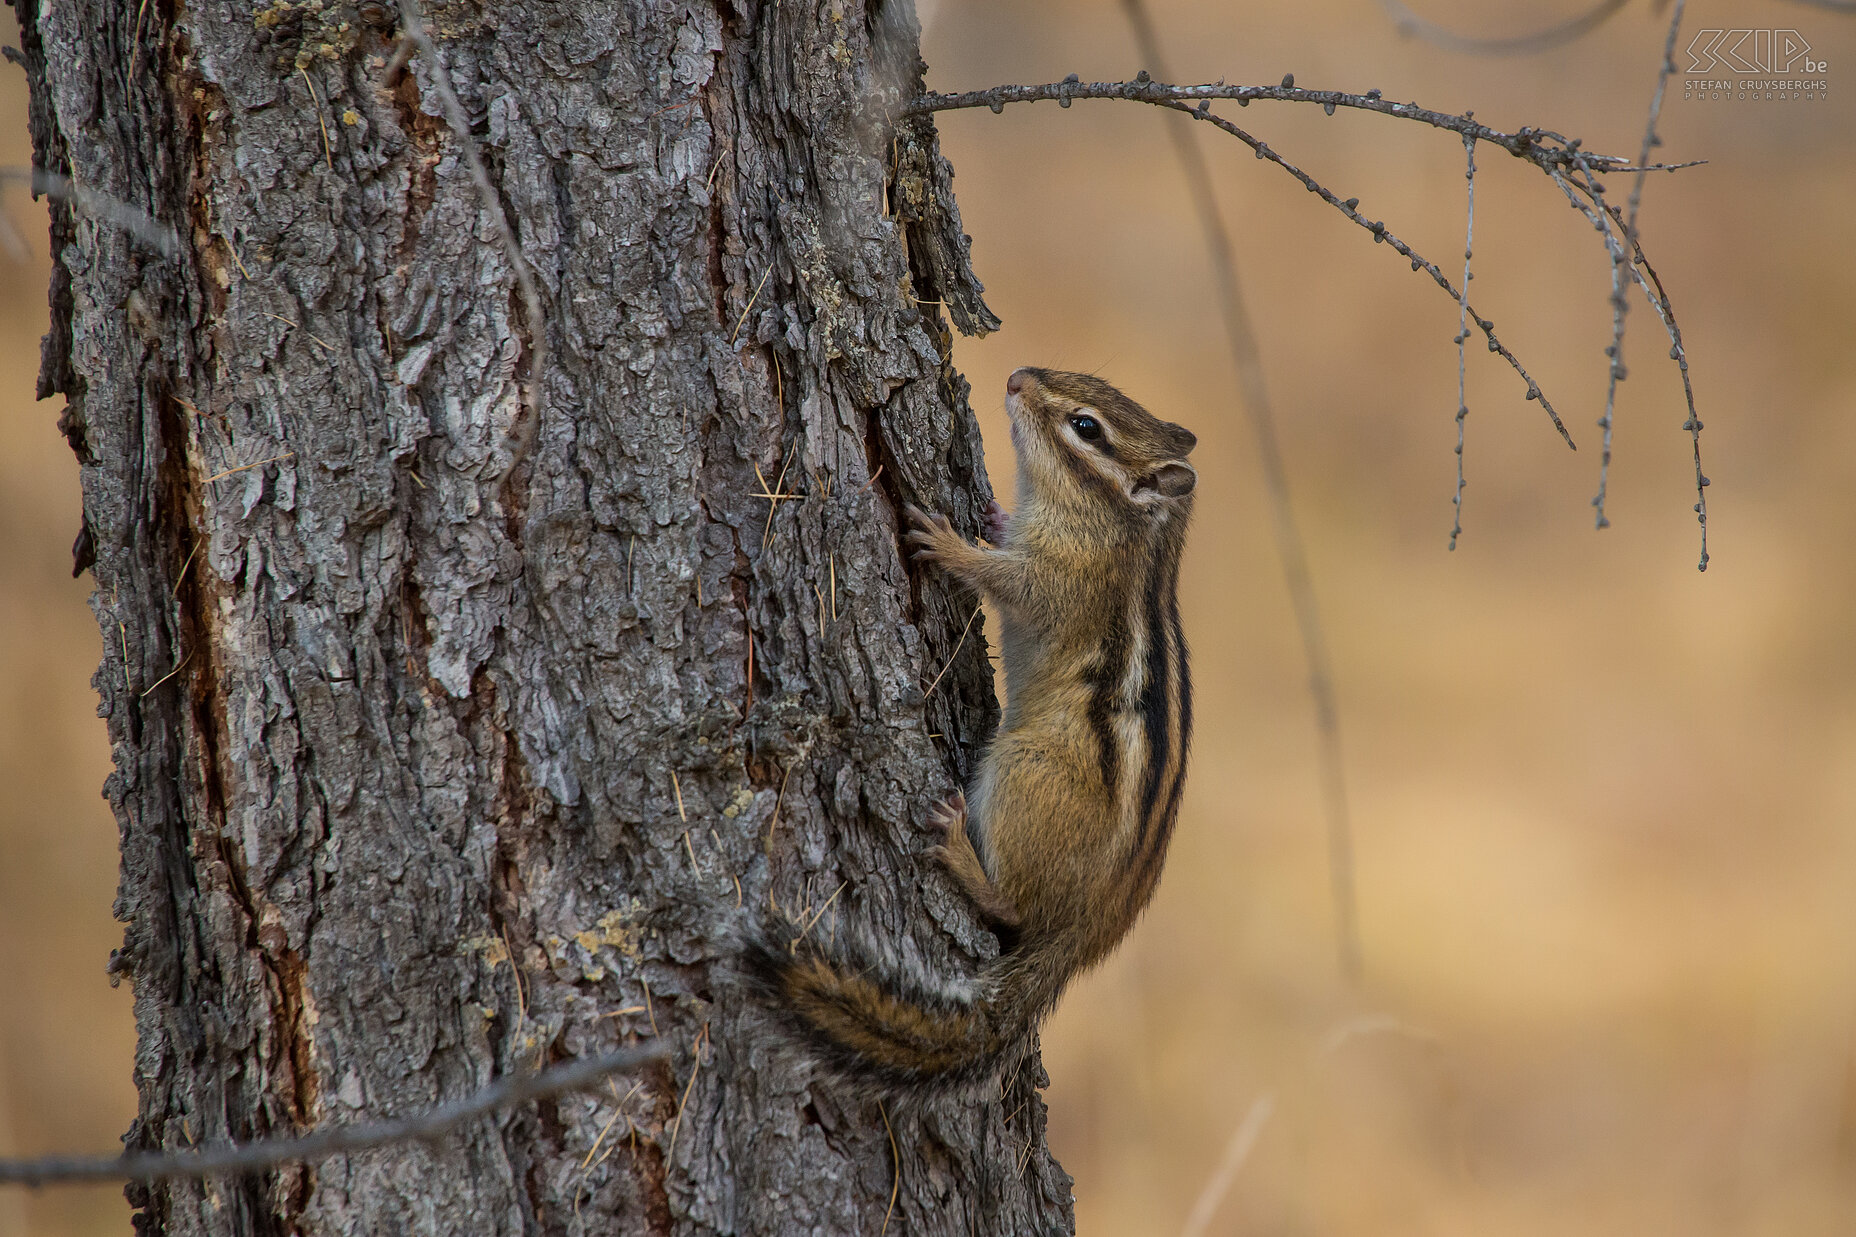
{"x": 1062, "y": 838}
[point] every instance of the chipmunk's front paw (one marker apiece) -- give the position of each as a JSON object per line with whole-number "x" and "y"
{"x": 933, "y": 536}
{"x": 998, "y": 523}
{"x": 948, "y": 815}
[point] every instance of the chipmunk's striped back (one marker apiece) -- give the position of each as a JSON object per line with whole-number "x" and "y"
{"x": 1165, "y": 704}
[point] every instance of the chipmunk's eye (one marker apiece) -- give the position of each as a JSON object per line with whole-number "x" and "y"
{"x": 1087, "y": 427}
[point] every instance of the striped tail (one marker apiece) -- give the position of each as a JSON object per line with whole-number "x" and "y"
{"x": 913, "y": 1042}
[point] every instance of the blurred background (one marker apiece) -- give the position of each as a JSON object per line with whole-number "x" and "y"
{"x": 1604, "y": 805}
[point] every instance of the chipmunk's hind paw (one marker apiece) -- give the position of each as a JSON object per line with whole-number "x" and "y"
{"x": 956, "y": 853}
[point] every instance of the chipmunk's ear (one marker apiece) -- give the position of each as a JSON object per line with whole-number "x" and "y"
{"x": 1180, "y": 439}
{"x": 1173, "y": 479}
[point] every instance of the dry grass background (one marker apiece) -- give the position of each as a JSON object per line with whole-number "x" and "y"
{"x": 1605, "y": 805}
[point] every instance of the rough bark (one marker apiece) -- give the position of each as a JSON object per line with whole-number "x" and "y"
{"x": 469, "y": 731}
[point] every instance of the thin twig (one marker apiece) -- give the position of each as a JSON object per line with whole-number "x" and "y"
{"x": 676, "y": 1122}
{"x": 413, "y": 29}
{"x": 294, "y": 326}
{"x": 818, "y": 914}
{"x": 774, "y": 495}
{"x": 1585, "y": 198}
{"x": 1614, "y": 355}
{"x": 1384, "y": 234}
{"x": 749, "y": 307}
{"x": 1364, "y": 1026}
{"x": 515, "y": 972}
{"x": 1462, "y": 334}
{"x": 170, "y": 674}
{"x": 588, "y": 1164}
{"x": 895, "y": 1161}
{"x": 328, "y": 153}
{"x": 506, "y": 1092}
{"x": 1620, "y": 259}
{"x": 185, "y": 563}
{"x": 954, "y": 654}
{"x": 135, "y": 42}
{"x": 1678, "y": 352}
{"x": 592, "y": 1151}
{"x": 1410, "y": 24}
{"x": 220, "y": 476}
{"x": 1632, "y": 243}
{"x": 1291, "y": 550}
{"x": 774, "y": 820}
{"x": 1243, "y": 1141}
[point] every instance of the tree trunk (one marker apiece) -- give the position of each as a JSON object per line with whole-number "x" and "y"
{"x": 465, "y": 717}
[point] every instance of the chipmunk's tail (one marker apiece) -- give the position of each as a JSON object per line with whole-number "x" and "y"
{"x": 872, "y": 1031}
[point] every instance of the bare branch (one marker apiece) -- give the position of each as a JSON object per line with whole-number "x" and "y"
{"x": 1545, "y": 149}
{"x": 1291, "y": 551}
{"x": 1411, "y": 24}
{"x": 507, "y": 1092}
{"x": 1541, "y": 147}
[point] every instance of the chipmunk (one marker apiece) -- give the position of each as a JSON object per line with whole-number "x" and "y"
{"x": 1062, "y": 840}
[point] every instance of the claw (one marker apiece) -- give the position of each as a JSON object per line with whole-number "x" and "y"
{"x": 949, "y": 814}
{"x": 998, "y": 523}
{"x": 926, "y": 532}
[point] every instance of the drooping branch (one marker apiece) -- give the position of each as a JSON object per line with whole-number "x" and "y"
{"x": 1625, "y": 254}
{"x": 1587, "y": 197}
{"x": 1383, "y": 234}
{"x": 1410, "y": 23}
{"x": 506, "y": 1092}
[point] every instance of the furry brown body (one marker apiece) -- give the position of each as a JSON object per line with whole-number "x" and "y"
{"x": 1062, "y": 842}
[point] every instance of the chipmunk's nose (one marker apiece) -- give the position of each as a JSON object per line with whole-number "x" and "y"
{"x": 1017, "y": 381}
